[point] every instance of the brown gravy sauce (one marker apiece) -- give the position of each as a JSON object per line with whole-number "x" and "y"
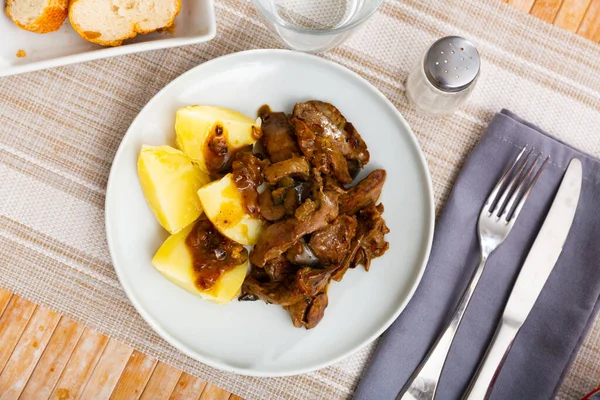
{"x": 247, "y": 169}
{"x": 216, "y": 152}
{"x": 247, "y": 175}
{"x": 212, "y": 253}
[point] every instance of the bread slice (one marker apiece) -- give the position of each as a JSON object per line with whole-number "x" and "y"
{"x": 41, "y": 16}
{"x": 109, "y": 22}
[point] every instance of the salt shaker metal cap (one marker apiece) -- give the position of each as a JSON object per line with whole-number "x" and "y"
{"x": 445, "y": 76}
{"x": 451, "y": 64}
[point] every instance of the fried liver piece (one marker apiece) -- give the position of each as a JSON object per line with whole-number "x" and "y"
{"x": 327, "y": 121}
{"x": 268, "y": 209}
{"x": 333, "y": 242}
{"x": 364, "y": 193}
{"x": 309, "y": 311}
{"x": 369, "y": 241}
{"x": 280, "y": 236}
{"x": 295, "y": 167}
{"x": 307, "y": 282}
{"x": 278, "y": 138}
{"x": 317, "y": 226}
{"x": 321, "y": 153}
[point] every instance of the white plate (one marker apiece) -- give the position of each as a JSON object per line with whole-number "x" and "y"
{"x": 254, "y": 338}
{"x": 194, "y": 24}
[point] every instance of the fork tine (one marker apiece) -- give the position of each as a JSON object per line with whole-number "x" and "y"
{"x": 509, "y": 188}
{"x": 492, "y": 196}
{"x": 515, "y": 214}
{"x": 519, "y": 190}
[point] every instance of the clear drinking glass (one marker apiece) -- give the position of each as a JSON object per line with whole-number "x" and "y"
{"x": 314, "y": 25}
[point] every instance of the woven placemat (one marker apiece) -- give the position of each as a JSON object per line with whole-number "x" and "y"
{"x": 60, "y": 129}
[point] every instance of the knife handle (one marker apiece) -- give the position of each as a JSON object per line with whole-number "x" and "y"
{"x": 483, "y": 382}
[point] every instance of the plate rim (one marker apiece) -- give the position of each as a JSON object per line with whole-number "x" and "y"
{"x": 424, "y": 257}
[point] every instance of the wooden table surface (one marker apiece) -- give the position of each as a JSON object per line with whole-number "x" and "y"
{"x": 45, "y": 355}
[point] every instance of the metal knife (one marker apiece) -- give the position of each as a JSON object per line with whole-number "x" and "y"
{"x": 535, "y": 271}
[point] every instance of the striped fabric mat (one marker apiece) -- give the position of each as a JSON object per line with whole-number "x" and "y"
{"x": 61, "y": 127}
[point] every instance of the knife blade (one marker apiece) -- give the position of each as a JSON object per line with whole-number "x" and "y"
{"x": 533, "y": 275}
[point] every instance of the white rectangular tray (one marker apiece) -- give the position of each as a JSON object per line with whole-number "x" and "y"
{"x": 194, "y": 24}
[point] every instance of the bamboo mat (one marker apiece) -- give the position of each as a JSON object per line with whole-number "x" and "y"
{"x": 61, "y": 127}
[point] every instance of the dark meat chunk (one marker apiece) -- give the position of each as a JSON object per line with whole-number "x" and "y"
{"x": 295, "y": 167}
{"x": 312, "y": 281}
{"x": 279, "y": 195}
{"x": 286, "y": 181}
{"x": 301, "y": 254}
{"x": 323, "y": 125}
{"x": 298, "y": 311}
{"x": 278, "y": 138}
{"x": 259, "y": 274}
{"x": 268, "y": 209}
{"x": 296, "y": 251}
{"x": 316, "y": 311}
{"x": 277, "y": 203}
{"x": 305, "y": 210}
{"x": 318, "y": 227}
{"x": 279, "y": 269}
{"x": 353, "y": 168}
{"x": 364, "y": 193}
{"x": 369, "y": 241}
{"x": 305, "y": 283}
{"x": 247, "y": 175}
{"x": 373, "y": 228}
{"x": 308, "y": 312}
{"x": 321, "y": 153}
{"x": 279, "y": 237}
{"x": 332, "y": 243}
{"x": 307, "y": 141}
{"x": 360, "y": 154}
{"x": 333, "y": 185}
{"x": 291, "y": 201}
{"x": 327, "y": 121}
{"x": 339, "y": 166}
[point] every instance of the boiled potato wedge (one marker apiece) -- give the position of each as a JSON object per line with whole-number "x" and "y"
{"x": 170, "y": 181}
{"x": 174, "y": 261}
{"x": 223, "y": 205}
{"x": 195, "y": 125}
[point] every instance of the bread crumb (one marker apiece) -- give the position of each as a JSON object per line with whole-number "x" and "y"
{"x": 21, "y": 53}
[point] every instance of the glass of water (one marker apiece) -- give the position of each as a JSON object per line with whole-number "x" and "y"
{"x": 314, "y": 25}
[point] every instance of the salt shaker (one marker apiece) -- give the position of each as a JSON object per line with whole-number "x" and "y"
{"x": 444, "y": 76}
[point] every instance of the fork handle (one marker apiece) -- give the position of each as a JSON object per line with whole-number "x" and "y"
{"x": 423, "y": 383}
{"x": 483, "y": 382}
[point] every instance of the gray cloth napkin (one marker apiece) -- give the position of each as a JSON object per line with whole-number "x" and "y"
{"x": 553, "y": 332}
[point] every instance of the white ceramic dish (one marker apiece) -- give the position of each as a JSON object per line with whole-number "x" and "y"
{"x": 251, "y": 337}
{"x": 194, "y": 24}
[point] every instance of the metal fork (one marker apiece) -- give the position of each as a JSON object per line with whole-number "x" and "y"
{"x": 496, "y": 220}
